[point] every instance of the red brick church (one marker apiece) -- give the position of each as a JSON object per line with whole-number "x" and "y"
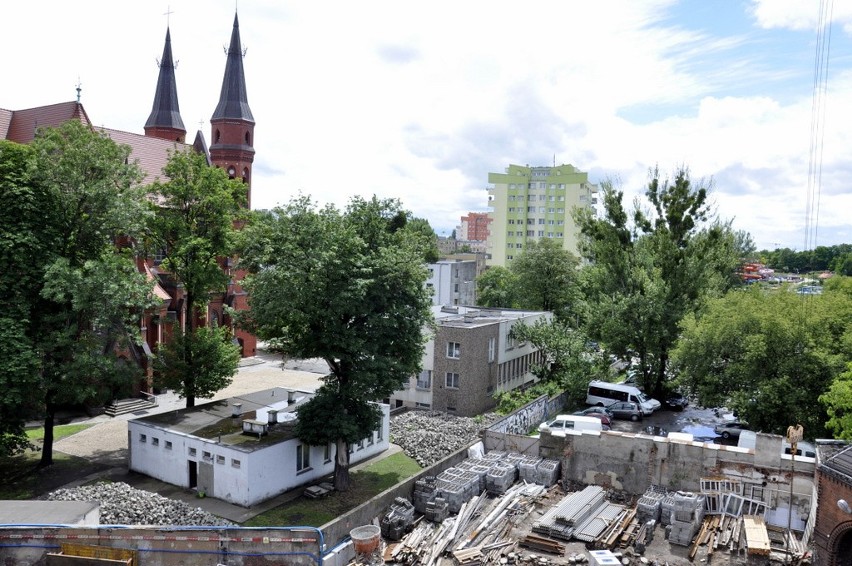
{"x": 231, "y": 148}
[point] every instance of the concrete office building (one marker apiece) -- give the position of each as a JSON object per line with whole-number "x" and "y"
{"x": 469, "y": 357}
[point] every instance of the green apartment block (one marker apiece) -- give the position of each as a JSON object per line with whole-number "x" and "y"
{"x": 531, "y": 203}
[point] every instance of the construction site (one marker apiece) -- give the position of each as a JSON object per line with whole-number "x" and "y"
{"x": 506, "y": 497}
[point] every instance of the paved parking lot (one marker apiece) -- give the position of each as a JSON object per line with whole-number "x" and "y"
{"x": 697, "y": 421}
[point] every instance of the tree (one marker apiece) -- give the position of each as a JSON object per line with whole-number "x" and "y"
{"x": 838, "y": 403}
{"x": 568, "y": 359}
{"x": 643, "y": 279}
{"x": 767, "y": 356}
{"x": 85, "y": 295}
{"x": 495, "y": 287}
{"x": 546, "y": 278}
{"x": 347, "y": 287}
{"x": 207, "y": 354}
{"x": 21, "y": 242}
{"x": 193, "y": 227}
{"x": 420, "y": 228}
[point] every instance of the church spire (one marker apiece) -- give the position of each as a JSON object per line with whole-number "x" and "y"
{"x": 232, "y": 124}
{"x": 164, "y": 121}
{"x": 233, "y": 101}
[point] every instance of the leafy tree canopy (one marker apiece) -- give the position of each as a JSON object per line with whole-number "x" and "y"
{"x": 76, "y": 199}
{"x": 546, "y": 278}
{"x": 767, "y": 356}
{"x": 348, "y": 287}
{"x": 569, "y": 360}
{"x": 649, "y": 268}
{"x": 495, "y": 287}
{"x": 193, "y": 227}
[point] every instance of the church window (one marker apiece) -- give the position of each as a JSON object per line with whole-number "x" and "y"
{"x": 218, "y": 136}
{"x": 248, "y": 138}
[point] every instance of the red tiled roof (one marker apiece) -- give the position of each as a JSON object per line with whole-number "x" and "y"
{"x": 151, "y": 154}
{"x": 23, "y": 123}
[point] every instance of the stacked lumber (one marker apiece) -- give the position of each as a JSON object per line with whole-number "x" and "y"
{"x": 757, "y": 538}
{"x": 542, "y": 544}
{"x": 479, "y": 534}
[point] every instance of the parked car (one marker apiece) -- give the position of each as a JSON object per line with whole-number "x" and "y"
{"x": 601, "y": 413}
{"x": 625, "y": 410}
{"x": 561, "y": 423}
{"x": 730, "y": 429}
{"x": 676, "y": 402}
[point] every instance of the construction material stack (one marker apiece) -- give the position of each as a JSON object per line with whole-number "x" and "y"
{"x": 687, "y": 517}
{"x": 398, "y": 520}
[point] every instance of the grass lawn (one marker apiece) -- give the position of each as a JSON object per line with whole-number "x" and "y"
{"x": 61, "y": 431}
{"x": 20, "y": 477}
{"x": 366, "y": 483}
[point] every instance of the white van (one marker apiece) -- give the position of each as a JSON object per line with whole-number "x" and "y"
{"x": 603, "y": 393}
{"x": 579, "y": 423}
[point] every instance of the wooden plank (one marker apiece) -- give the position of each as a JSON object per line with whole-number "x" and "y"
{"x": 757, "y": 538}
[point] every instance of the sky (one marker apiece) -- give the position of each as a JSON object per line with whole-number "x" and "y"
{"x": 421, "y": 100}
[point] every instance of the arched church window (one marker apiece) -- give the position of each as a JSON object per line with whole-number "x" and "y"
{"x": 248, "y": 138}
{"x": 218, "y": 136}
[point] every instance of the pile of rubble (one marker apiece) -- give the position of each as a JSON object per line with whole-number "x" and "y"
{"x": 430, "y": 436}
{"x": 121, "y": 504}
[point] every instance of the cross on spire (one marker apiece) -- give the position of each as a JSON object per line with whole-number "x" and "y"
{"x": 168, "y": 14}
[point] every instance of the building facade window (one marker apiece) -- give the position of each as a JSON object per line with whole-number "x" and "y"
{"x": 424, "y": 380}
{"x": 303, "y": 457}
{"x": 491, "y": 348}
{"x": 453, "y": 350}
{"x": 452, "y": 380}
{"x": 326, "y": 453}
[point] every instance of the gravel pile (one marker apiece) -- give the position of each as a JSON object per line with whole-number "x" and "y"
{"x": 125, "y": 505}
{"x": 429, "y": 436}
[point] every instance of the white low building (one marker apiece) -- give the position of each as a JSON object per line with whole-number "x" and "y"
{"x": 241, "y": 450}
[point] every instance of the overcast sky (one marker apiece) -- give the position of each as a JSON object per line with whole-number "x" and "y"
{"x": 422, "y": 100}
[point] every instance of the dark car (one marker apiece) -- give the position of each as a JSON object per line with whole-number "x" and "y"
{"x": 676, "y": 402}
{"x": 730, "y": 429}
{"x": 600, "y": 412}
{"x": 625, "y": 410}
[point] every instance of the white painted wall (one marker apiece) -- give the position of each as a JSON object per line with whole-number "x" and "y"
{"x": 262, "y": 473}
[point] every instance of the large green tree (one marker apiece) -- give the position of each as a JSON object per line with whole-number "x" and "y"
{"x": 21, "y": 242}
{"x": 348, "y": 287}
{"x": 546, "y": 278}
{"x": 84, "y": 296}
{"x": 768, "y": 355}
{"x": 495, "y": 287}
{"x": 568, "y": 357}
{"x": 651, "y": 267}
{"x": 193, "y": 227}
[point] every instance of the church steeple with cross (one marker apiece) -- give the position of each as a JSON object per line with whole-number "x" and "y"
{"x": 232, "y": 123}
{"x": 165, "y": 121}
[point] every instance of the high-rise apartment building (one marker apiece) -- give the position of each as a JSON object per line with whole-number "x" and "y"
{"x": 532, "y": 203}
{"x": 473, "y": 227}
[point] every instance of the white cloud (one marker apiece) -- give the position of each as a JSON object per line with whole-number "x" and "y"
{"x": 421, "y": 101}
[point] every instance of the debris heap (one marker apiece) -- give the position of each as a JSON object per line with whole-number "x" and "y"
{"x": 430, "y": 436}
{"x": 121, "y": 504}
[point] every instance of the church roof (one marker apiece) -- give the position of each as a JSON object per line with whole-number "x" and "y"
{"x": 22, "y": 124}
{"x": 233, "y": 100}
{"x": 152, "y": 154}
{"x": 166, "y": 111}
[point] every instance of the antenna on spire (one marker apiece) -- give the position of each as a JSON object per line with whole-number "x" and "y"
{"x": 79, "y": 89}
{"x": 554, "y": 160}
